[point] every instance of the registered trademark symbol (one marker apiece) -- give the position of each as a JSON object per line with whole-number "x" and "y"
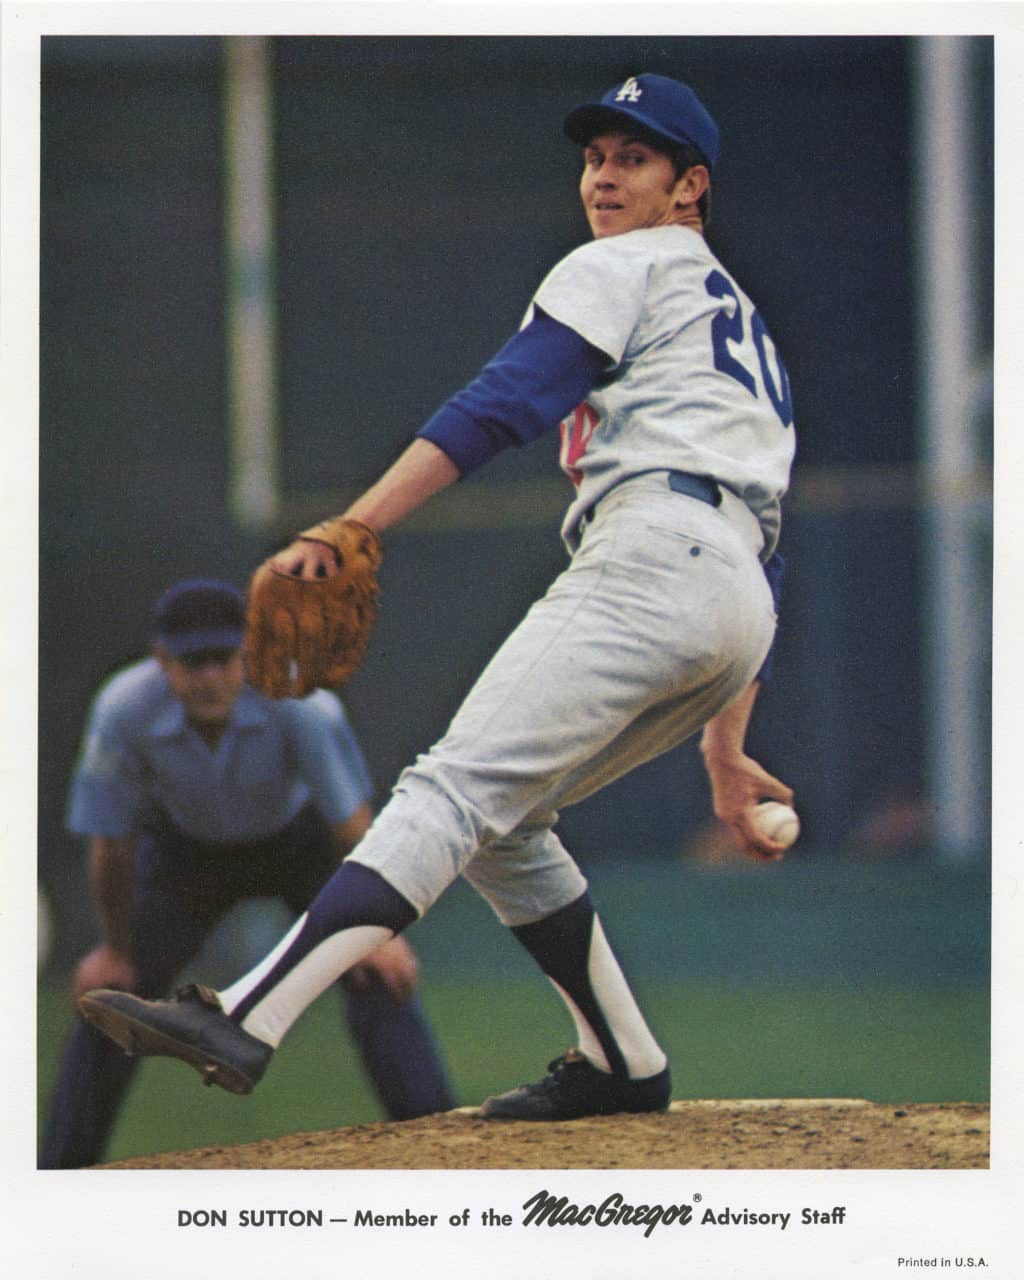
{"x": 697, "y": 1198}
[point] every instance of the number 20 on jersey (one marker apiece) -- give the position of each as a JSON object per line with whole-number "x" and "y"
{"x": 729, "y": 342}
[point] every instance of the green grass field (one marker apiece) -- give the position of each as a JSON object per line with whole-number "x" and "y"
{"x": 823, "y": 982}
{"x": 889, "y": 1045}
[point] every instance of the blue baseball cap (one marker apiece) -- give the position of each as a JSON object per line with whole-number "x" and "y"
{"x": 658, "y": 104}
{"x": 199, "y": 614}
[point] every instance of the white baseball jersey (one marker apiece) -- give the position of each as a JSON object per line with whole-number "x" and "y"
{"x": 697, "y": 384}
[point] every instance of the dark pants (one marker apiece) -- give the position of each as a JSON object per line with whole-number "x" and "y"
{"x": 183, "y": 887}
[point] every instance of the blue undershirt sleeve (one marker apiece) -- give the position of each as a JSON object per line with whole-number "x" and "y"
{"x": 774, "y": 570}
{"x": 537, "y": 377}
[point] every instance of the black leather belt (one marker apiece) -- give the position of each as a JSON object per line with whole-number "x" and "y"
{"x": 701, "y": 487}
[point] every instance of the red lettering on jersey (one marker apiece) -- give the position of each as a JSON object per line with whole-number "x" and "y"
{"x": 576, "y": 432}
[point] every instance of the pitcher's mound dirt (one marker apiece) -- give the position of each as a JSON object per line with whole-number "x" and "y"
{"x": 820, "y": 1133}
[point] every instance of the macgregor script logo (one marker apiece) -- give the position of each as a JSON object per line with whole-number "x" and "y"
{"x": 630, "y": 91}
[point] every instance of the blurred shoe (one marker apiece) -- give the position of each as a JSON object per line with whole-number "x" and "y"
{"x": 574, "y": 1087}
{"x": 192, "y": 1026}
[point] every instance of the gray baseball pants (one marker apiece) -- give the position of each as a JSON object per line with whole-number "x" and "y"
{"x": 661, "y": 619}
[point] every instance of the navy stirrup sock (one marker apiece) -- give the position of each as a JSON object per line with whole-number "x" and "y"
{"x": 357, "y": 895}
{"x": 561, "y": 943}
{"x": 354, "y": 896}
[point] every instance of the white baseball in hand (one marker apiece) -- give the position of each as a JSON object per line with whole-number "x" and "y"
{"x": 777, "y": 821}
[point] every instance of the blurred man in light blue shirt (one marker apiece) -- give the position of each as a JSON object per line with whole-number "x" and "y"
{"x": 194, "y": 793}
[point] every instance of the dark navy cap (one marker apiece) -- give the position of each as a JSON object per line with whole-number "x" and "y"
{"x": 658, "y": 104}
{"x": 200, "y": 614}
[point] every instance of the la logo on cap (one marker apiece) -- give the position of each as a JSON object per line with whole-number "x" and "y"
{"x": 630, "y": 91}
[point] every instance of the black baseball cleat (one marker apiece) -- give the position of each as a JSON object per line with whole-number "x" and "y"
{"x": 574, "y": 1087}
{"x": 192, "y": 1026}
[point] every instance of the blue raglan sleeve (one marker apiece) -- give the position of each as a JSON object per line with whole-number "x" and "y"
{"x": 537, "y": 377}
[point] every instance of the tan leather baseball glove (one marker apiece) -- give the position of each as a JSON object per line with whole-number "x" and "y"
{"x": 303, "y": 634}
